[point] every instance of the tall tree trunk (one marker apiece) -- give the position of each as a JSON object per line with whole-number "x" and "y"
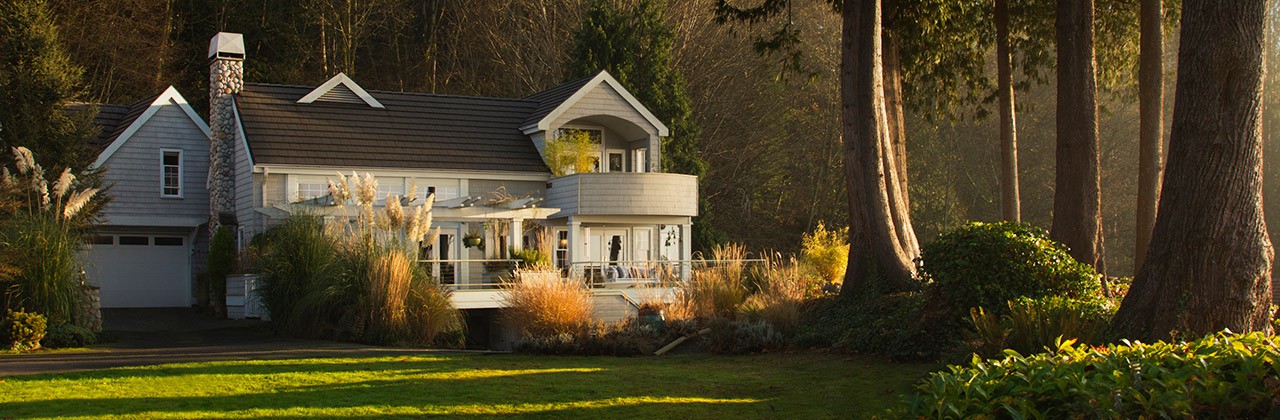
{"x": 1151, "y": 127}
{"x": 876, "y": 248}
{"x": 1209, "y": 263}
{"x": 1077, "y": 203}
{"x": 896, "y": 152}
{"x": 1010, "y": 202}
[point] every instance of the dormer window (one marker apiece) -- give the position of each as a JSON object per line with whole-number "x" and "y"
{"x": 171, "y": 173}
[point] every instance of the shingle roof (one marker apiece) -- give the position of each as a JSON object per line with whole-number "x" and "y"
{"x": 548, "y": 100}
{"x": 113, "y": 119}
{"x": 418, "y": 131}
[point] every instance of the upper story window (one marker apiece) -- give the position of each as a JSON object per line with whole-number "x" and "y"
{"x": 171, "y": 173}
{"x": 309, "y": 187}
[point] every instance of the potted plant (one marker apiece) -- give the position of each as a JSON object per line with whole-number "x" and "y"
{"x": 473, "y": 240}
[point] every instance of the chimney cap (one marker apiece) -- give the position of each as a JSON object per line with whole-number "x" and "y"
{"x": 227, "y": 45}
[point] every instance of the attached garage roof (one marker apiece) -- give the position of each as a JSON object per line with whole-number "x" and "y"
{"x": 416, "y": 131}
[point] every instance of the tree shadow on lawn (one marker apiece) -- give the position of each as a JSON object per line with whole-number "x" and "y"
{"x": 400, "y": 390}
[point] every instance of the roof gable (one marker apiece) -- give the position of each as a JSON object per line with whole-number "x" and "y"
{"x": 340, "y": 88}
{"x": 556, "y": 103}
{"x": 138, "y": 116}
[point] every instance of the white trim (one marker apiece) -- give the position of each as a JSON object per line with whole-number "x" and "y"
{"x": 244, "y": 140}
{"x": 342, "y": 79}
{"x": 169, "y": 95}
{"x": 400, "y": 172}
{"x": 181, "y": 168}
{"x": 545, "y": 123}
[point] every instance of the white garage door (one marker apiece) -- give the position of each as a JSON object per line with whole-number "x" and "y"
{"x": 141, "y": 271}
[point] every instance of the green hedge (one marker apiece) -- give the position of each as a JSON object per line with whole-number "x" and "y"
{"x": 988, "y": 264}
{"x": 1222, "y": 375}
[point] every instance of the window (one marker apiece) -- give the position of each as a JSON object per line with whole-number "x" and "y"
{"x": 308, "y": 187}
{"x": 168, "y": 241}
{"x": 388, "y": 186}
{"x": 615, "y": 161}
{"x": 444, "y": 189}
{"x": 171, "y": 173}
{"x": 102, "y": 240}
{"x": 134, "y": 240}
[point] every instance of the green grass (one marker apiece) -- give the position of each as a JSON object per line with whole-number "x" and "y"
{"x": 774, "y": 386}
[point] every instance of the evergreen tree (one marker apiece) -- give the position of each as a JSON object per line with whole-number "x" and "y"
{"x": 634, "y": 45}
{"x": 37, "y": 79}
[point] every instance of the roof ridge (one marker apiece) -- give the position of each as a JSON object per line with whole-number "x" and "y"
{"x": 392, "y": 92}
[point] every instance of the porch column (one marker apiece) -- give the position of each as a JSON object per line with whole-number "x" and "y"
{"x": 516, "y": 234}
{"x": 686, "y": 249}
{"x": 574, "y": 250}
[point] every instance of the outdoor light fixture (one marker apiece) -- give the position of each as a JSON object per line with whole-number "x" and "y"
{"x": 564, "y": 243}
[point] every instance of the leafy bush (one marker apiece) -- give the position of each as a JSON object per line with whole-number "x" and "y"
{"x": 901, "y": 326}
{"x": 67, "y": 336}
{"x": 572, "y": 152}
{"x": 22, "y": 330}
{"x": 222, "y": 260}
{"x": 988, "y": 264}
{"x": 548, "y": 308}
{"x": 1032, "y": 325}
{"x": 827, "y": 252}
{"x": 1222, "y": 375}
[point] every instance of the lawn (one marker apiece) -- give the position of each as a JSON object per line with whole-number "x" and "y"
{"x": 790, "y": 385}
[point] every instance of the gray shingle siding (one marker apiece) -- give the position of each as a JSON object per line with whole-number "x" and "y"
{"x": 133, "y": 171}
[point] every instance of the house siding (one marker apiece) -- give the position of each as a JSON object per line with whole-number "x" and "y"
{"x": 651, "y": 194}
{"x": 246, "y": 187}
{"x": 133, "y": 171}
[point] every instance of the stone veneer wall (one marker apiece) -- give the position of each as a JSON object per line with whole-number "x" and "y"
{"x": 226, "y": 78}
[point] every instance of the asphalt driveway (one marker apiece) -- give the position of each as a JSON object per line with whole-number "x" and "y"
{"x": 180, "y": 335}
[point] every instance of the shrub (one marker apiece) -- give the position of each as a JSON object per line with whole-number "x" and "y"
{"x": 548, "y": 308}
{"x": 901, "y": 326}
{"x": 22, "y": 330}
{"x": 572, "y": 152}
{"x": 988, "y": 264}
{"x": 67, "y": 336}
{"x": 595, "y": 339}
{"x": 1222, "y": 375}
{"x": 1032, "y": 325}
{"x": 297, "y": 257}
{"x": 221, "y": 262}
{"x": 827, "y": 252}
{"x": 744, "y": 336}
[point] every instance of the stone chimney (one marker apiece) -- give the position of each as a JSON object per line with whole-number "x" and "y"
{"x": 226, "y": 77}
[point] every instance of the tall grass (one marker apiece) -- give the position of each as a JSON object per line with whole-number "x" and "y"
{"x": 356, "y": 284}
{"x": 717, "y": 288}
{"x": 42, "y": 226}
{"x": 783, "y": 288}
{"x": 542, "y": 308}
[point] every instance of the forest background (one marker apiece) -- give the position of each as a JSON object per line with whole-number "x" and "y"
{"x": 769, "y": 124}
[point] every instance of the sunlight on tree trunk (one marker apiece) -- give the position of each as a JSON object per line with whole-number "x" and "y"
{"x": 1010, "y": 202}
{"x": 1209, "y": 263}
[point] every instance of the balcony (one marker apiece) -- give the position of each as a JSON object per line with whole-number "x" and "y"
{"x": 623, "y": 194}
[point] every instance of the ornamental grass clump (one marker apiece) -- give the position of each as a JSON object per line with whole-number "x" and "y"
{"x": 356, "y": 281}
{"x": 716, "y": 289}
{"x": 42, "y": 229}
{"x": 1222, "y": 375}
{"x": 548, "y": 308}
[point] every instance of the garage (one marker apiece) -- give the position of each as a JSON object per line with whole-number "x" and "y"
{"x": 140, "y": 270}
